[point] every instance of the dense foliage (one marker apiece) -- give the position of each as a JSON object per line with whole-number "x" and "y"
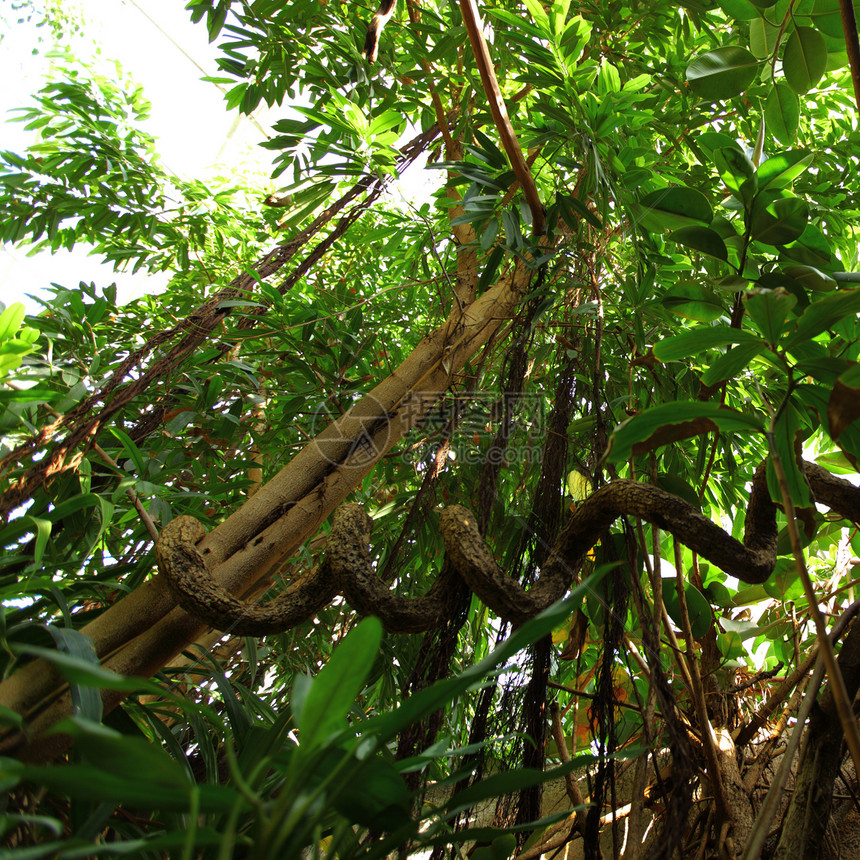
{"x": 690, "y": 312}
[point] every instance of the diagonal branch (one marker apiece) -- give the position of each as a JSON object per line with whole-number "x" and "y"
{"x": 500, "y": 114}
{"x": 852, "y": 45}
{"x": 86, "y": 420}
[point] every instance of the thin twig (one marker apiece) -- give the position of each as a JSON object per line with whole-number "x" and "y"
{"x": 570, "y": 781}
{"x": 774, "y": 795}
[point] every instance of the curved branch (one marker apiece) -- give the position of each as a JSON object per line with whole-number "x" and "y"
{"x": 367, "y": 594}
{"x": 751, "y": 561}
{"x": 197, "y": 593}
{"x": 348, "y": 566}
{"x": 474, "y": 562}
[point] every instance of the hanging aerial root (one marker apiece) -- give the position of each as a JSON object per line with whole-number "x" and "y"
{"x": 348, "y": 566}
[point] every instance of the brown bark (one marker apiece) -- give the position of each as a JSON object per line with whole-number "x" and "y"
{"x": 141, "y": 633}
{"x": 805, "y": 822}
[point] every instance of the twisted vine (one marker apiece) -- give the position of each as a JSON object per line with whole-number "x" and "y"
{"x": 348, "y": 568}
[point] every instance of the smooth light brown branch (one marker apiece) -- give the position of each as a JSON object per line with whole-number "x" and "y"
{"x": 140, "y": 633}
{"x": 88, "y": 418}
{"x": 500, "y": 114}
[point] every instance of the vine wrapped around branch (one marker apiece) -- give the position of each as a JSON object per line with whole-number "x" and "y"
{"x": 348, "y": 566}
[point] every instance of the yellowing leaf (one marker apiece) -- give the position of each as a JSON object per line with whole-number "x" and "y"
{"x": 578, "y": 485}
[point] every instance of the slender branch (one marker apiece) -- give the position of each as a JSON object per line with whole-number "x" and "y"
{"x": 500, "y": 114}
{"x": 852, "y": 45}
{"x": 571, "y": 782}
{"x": 771, "y": 803}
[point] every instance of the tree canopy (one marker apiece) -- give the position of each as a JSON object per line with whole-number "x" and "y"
{"x": 395, "y": 508}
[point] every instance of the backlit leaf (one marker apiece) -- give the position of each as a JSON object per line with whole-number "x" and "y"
{"x": 805, "y": 59}
{"x": 723, "y": 73}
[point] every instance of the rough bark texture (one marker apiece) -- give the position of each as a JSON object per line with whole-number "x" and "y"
{"x": 144, "y": 631}
{"x": 348, "y": 567}
{"x": 805, "y": 823}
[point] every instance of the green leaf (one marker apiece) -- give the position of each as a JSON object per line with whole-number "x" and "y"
{"x": 811, "y": 249}
{"x": 843, "y": 406}
{"x": 784, "y": 583}
{"x": 763, "y": 37}
{"x": 827, "y": 18}
{"x": 339, "y": 682}
{"x": 779, "y": 222}
{"x": 701, "y": 239}
{"x": 11, "y": 319}
{"x": 376, "y": 796}
{"x": 539, "y": 16}
{"x": 83, "y": 672}
{"x": 674, "y": 208}
{"x": 824, "y": 314}
{"x": 510, "y": 782}
{"x": 690, "y": 343}
{"x": 385, "y": 122}
{"x": 608, "y": 79}
{"x": 86, "y": 700}
{"x": 769, "y": 310}
{"x": 731, "y": 646}
{"x": 810, "y": 277}
{"x": 723, "y": 73}
{"x": 108, "y": 750}
{"x": 679, "y": 487}
{"x": 740, "y": 10}
{"x": 779, "y": 171}
{"x": 729, "y": 365}
{"x": 386, "y": 726}
{"x": 737, "y": 171}
{"x": 131, "y": 450}
{"x": 711, "y": 141}
{"x": 698, "y": 609}
{"x": 786, "y": 442}
{"x": 694, "y": 302}
{"x": 124, "y": 786}
{"x": 805, "y": 59}
{"x": 702, "y": 417}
